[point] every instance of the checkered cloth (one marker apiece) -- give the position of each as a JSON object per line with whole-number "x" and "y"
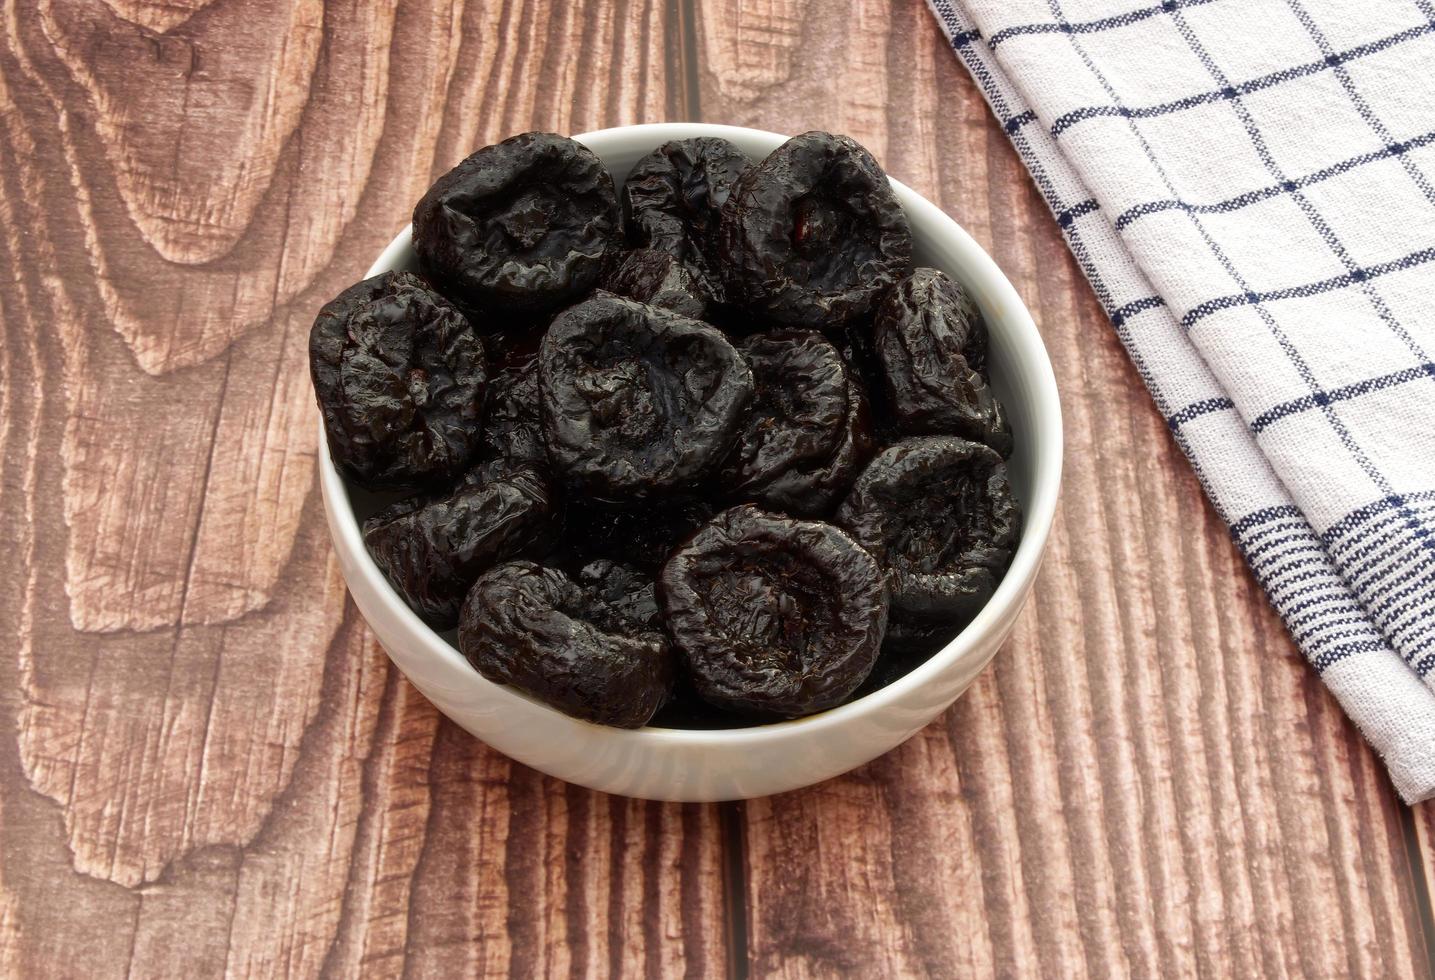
{"x": 1249, "y": 185}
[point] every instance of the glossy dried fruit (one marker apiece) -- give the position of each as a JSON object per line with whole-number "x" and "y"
{"x": 523, "y": 225}
{"x": 813, "y": 234}
{"x": 399, "y": 375}
{"x": 673, "y": 200}
{"x": 588, "y": 650}
{"x": 938, "y": 513}
{"x": 978, "y": 338}
{"x": 638, "y": 400}
{"x": 658, "y": 279}
{"x": 512, "y": 421}
{"x": 926, "y": 336}
{"x": 809, "y": 430}
{"x": 773, "y": 615}
{"x": 432, "y": 548}
{"x": 643, "y": 535}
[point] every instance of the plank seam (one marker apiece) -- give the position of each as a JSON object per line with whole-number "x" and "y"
{"x": 1419, "y": 885}
{"x": 734, "y": 889}
{"x": 685, "y": 17}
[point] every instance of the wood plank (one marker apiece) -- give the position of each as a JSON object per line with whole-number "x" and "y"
{"x": 1150, "y": 781}
{"x": 214, "y": 769}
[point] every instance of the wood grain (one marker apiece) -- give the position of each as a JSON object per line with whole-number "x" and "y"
{"x": 207, "y": 766}
{"x": 213, "y": 769}
{"x": 1150, "y": 782}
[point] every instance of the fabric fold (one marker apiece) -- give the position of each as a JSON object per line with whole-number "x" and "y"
{"x": 1224, "y": 220}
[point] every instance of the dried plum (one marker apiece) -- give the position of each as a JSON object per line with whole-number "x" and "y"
{"x": 673, "y": 199}
{"x": 813, "y": 234}
{"x": 773, "y": 615}
{"x": 399, "y": 375}
{"x": 432, "y": 548}
{"x": 978, "y": 338}
{"x": 926, "y": 336}
{"x": 658, "y": 279}
{"x": 638, "y": 400}
{"x": 938, "y": 513}
{"x": 512, "y": 423}
{"x": 809, "y": 430}
{"x": 523, "y": 225}
{"x": 587, "y": 649}
{"x": 642, "y": 535}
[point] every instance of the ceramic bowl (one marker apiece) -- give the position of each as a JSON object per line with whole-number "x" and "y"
{"x": 670, "y": 764}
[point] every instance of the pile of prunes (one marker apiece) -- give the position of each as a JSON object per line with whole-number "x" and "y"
{"x": 703, "y": 450}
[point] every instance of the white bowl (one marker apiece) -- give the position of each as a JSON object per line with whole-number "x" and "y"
{"x": 670, "y": 764}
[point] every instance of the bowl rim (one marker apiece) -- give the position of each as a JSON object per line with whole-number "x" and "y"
{"x": 1040, "y": 509}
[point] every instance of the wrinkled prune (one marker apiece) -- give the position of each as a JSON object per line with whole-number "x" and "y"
{"x": 432, "y": 548}
{"x": 523, "y": 225}
{"x": 567, "y": 644}
{"x": 772, "y": 615}
{"x": 673, "y": 199}
{"x": 638, "y": 400}
{"x": 512, "y": 422}
{"x": 925, "y": 332}
{"x": 399, "y": 375}
{"x": 643, "y": 535}
{"x": 975, "y": 349}
{"x": 658, "y": 279}
{"x": 809, "y": 430}
{"x": 813, "y": 234}
{"x": 938, "y": 513}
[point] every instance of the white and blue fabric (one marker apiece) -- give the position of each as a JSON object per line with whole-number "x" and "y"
{"x": 1249, "y": 186}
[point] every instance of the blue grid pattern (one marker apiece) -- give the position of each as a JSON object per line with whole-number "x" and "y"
{"x": 1257, "y": 216}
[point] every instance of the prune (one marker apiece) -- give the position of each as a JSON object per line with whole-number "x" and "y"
{"x": 938, "y": 513}
{"x": 432, "y": 548}
{"x": 523, "y": 225}
{"x": 773, "y": 615}
{"x": 638, "y": 400}
{"x": 673, "y": 199}
{"x": 809, "y": 430}
{"x": 643, "y": 536}
{"x": 658, "y": 279}
{"x": 568, "y": 644}
{"x": 812, "y": 235}
{"x": 925, "y": 332}
{"x": 975, "y": 349}
{"x": 512, "y": 423}
{"x": 399, "y": 375}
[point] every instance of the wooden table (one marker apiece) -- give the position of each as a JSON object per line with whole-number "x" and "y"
{"x": 208, "y": 766}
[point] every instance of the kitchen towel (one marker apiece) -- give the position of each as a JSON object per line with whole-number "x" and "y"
{"x": 1249, "y": 186}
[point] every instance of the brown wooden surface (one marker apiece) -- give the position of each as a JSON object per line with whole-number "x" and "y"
{"x": 206, "y": 764}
